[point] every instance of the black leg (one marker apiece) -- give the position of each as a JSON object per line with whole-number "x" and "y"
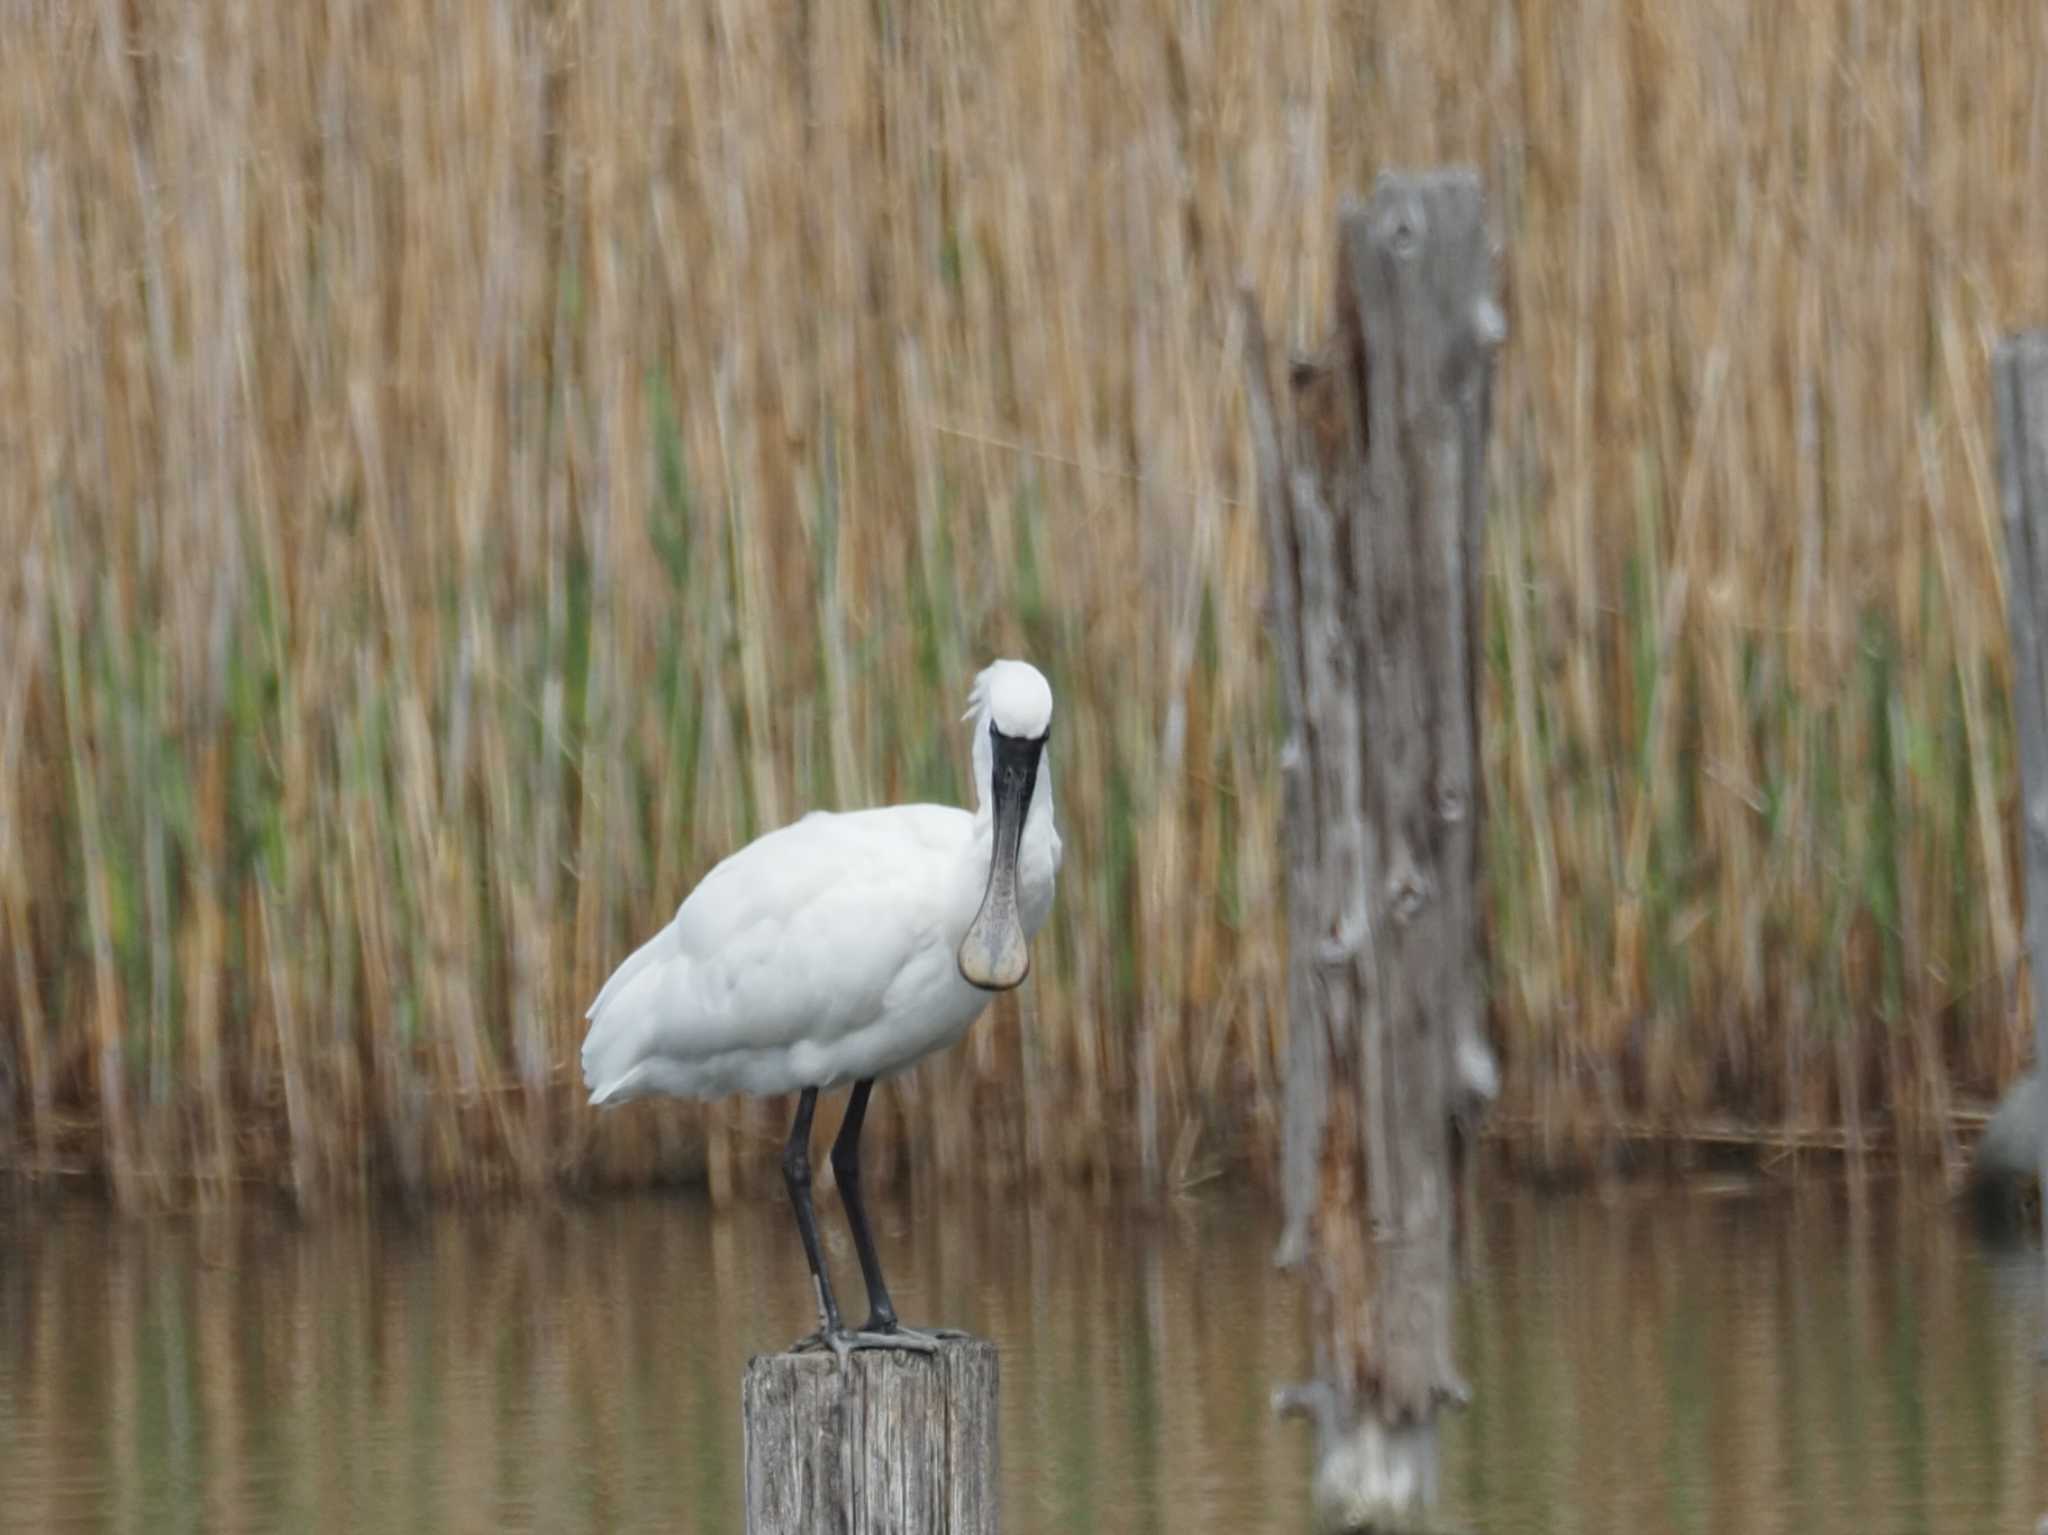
{"x": 796, "y": 1175}
{"x": 846, "y": 1168}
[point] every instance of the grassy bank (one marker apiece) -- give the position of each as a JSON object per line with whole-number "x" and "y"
{"x": 465, "y": 468}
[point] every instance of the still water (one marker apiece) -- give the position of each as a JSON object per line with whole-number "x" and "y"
{"x": 1747, "y": 1360}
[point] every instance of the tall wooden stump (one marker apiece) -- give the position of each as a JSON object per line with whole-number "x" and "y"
{"x": 1372, "y": 492}
{"x": 2020, "y": 381}
{"x": 890, "y": 1443}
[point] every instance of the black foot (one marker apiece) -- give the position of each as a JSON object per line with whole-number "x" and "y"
{"x": 930, "y": 1336}
{"x": 842, "y": 1341}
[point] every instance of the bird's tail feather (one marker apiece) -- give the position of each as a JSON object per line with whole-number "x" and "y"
{"x": 656, "y": 948}
{"x": 616, "y": 1034}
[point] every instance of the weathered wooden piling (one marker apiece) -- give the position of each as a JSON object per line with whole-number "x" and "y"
{"x": 889, "y": 1443}
{"x": 2020, "y": 381}
{"x": 1372, "y": 492}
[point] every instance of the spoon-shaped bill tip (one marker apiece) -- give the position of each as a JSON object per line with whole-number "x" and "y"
{"x": 994, "y": 955}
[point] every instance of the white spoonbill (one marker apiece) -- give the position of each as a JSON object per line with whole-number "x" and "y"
{"x": 843, "y": 948}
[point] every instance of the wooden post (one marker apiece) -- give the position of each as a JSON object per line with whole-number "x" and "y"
{"x": 1372, "y": 491}
{"x": 889, "y": 1443}
{"x": 2020, "y": 381}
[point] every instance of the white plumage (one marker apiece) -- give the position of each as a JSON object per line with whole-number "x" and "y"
{"x": 827, "y": 951}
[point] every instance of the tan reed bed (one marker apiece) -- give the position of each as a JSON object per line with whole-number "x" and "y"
{"x": 466, "y": 466}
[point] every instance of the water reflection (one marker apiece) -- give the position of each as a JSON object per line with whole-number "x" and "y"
{"x": 1660, "y": 1361}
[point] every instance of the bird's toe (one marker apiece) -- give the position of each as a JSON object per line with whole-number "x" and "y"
{"x": 844, "y": 1341}
{"x": 817, "y": 1342}
{"x": 905, "y": 1338}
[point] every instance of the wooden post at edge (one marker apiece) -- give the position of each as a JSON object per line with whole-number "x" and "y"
{"x": 2020, "y": 382}
{"x": 891, "y": 1441}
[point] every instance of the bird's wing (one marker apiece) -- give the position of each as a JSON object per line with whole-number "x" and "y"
{"x": 796, "y": 937}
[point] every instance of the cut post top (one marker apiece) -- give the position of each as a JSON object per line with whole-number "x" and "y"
{"x": 886, "y": 1439}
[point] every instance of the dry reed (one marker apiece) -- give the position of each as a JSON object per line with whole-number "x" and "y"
{"x": 465, "y": 466}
